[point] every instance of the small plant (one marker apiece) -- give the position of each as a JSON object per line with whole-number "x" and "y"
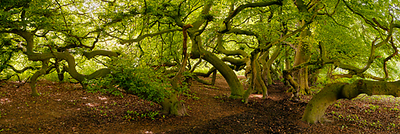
{"x": 191, "y": 96}
{"x": 373, "y": 124}
{"x": 344, "y": 126}
{"x": 340, "y": 116}
{"x": 373, "y": 107}
{"x": 132, "y": 115}
{"x": 356, "y": 117}
{"x": 153, "y": 114}
{"x": 394, "y": 109}
{"x": 337, "y": 105}
{"x": 350, "y": 119}
{"x": 211, "y": 87}
{"x": 391, "y": 126}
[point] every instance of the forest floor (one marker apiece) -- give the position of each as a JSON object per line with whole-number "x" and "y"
{"x": 67, "y": 108}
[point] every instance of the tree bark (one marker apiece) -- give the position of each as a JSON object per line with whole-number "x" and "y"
{"x": 315, "y": 109}
{"x": 303, "y": 55}
{"x": 230, "y": 76}
{"x": 172, "y": 106}
{"x": 256, "y": 80}
{"x": 36, "y": 75}
{"x": 267, "y": 65}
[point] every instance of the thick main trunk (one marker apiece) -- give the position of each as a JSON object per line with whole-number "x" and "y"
{"x": 315, "y": 109}
{"x": 172, "y": 106}
{"x": 36, "y": 76}
{"x": 256, "y": 82}
{"x": 303, "y": 55}
{"x": 197, "y": 51}
{"x": 230, "y": 76}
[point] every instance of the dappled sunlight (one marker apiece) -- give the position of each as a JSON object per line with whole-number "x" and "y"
{"x": 91, "y": 104}
{"x": 102, "y": 98}
{"x": 199, "y": 66}
{"x": 4, "y": 100}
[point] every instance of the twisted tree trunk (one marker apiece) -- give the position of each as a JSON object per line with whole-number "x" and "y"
{"x": 171, "y": 104}
{"x": 71, "y": 68}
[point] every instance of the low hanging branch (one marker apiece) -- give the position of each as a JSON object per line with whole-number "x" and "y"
{"x": 238, "y": 63}
{"x": 221, "y": 49}
{"x": 323, "y": 60}
{"x": 315, "y": 109}
{"x": 71, "y": 68}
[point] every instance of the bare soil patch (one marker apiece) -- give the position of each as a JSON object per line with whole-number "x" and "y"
{"x": 67, "y": 108}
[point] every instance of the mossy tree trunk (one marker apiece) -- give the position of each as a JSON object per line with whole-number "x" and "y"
{"x": 303, "y": 55}
{"x": 266, "y": 71}
{"x": 303, "y": 52}
{"x": 36, "y": 75}
{"x": 172, "y": 106}
{"x": 256, "y": 81}
{"x": 316, "y": 108}
{"x": 230, "y": 76}
{"x": 198, "y": 51}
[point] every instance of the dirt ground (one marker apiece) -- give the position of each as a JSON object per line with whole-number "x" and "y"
{"x": 67, "y": 108}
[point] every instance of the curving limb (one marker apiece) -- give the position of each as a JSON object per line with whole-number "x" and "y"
{"x": 94, "y": 53}
{"x": 317, "y": 106}
{"x": 171, "y": 105}
{"x": 244, "y": 6}
{"x": 21, "y": 70}
{"x": 36, "y": 76}
{"x": 147, "y": 35}
{"x": 71, "y": 68}
{"x": 396, "y": 51}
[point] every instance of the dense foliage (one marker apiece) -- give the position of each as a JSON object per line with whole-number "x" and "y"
{"x": 130, "y": 77}
{"x": 296, "y": 41}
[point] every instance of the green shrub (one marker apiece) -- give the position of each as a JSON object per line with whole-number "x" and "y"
{"x": 128, "y": 76}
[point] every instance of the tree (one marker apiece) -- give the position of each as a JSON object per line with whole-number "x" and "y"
{"x": 169, "y": 36}
{"x": 29, "y": 21}
{"x": 384, "y": 30}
